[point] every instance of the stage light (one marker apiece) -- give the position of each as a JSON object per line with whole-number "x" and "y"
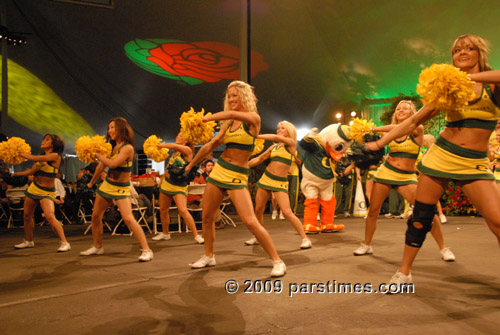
{"x": 353, "y": 113}
{"x": 338, "y": 115}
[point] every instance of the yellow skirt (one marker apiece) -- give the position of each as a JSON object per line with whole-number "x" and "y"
{"x": 171, "y": 189}
{"x": 113, "y": 190}
{"x": 38, "y": 192}
{"x": 228, "y": 176}
{"x": 268, "y": 181}
{"x": 390, "y": 175}
{"x": 447, "y": 160}
{"x": 497, "y": 175}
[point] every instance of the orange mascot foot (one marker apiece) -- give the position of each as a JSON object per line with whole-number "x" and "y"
{"x": 330, "y": 228}
{"x": 311, "y": 229}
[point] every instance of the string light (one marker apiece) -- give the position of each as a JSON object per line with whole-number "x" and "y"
{"x": 12, "y": 37}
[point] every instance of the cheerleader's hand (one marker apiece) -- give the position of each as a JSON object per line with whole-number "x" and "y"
{"x": 312, "y": 134}
{"x": 372, "y": 146}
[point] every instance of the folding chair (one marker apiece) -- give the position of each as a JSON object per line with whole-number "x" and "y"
{"x": 15, "y": 201}
{"x": 195, "y": 189}
{"x": 139, "y": 214}
{"x": 58, "y": 209}
{"x": 87, "y": 218}
{"x": 3, "y": 213}
{"x": 226, "y": 220}
{"x": 156, "y": 209}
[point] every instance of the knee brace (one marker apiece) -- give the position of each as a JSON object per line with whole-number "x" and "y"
{"x": 423, "y": 214}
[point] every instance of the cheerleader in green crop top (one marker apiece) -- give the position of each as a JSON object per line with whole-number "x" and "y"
{"x": 460, "y": 152}
{"x": 42, "y": 190}
{"x": 398, "y": 172}
{"x": 181, "y": 152}
{"x": 116, "y": 188}
{"x": 275, "y": 178}
{"x": 238, "y": 132}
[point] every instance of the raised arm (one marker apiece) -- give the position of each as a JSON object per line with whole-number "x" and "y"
{"x": 183, "y": 149}
{"x": 250, "y": 118}
{"x": 404, "y": 128}
{"x": 491, "y": 77}
{"x": 51, "y": 157}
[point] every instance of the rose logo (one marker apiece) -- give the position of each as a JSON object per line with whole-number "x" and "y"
{"x": 191, "y": 62}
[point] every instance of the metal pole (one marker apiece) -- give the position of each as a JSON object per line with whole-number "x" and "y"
{"x": 245, "y": 45}
{"x": 5, "y": 81}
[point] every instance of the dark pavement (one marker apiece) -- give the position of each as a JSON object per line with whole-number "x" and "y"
{"x": 44, "y": 292}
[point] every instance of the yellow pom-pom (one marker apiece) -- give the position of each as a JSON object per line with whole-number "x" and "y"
{"x": 151, "y": 150}
{"x": 12, "y": 148}
{"x": 258, "y": 147}
{"x": 86, "y": 147}
{"x": 445, "y": 87}
{"x": 359, "y": 128}
{"x": 194, "y": 130}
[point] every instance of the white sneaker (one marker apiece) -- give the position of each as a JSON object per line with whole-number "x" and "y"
{"x": 346, "y": 214}
{"x": 65, "y": 246}
{"x": 275, "y": 215}
{"x": 389, "y": 215}
{"x": 443, "y": 218}
{"x": 92, "y": 251}
{"x": 402, "y": 216}
{"x": 363, "y": 250}
{"x": 146, "y": 255}
{"x": 25, "y": 244}
{"x": 282, "y": 217}
{"x": 199, "y": 239}
{"x": 161, "y": 236}
{"x": 400, "y": 278}
{"x": 306, "y": 243}
{"x": 252, "y": 241}
{"x": 279, "y": 269}
{"x": 204, "y": 261}
{"x": 447, "y": 255}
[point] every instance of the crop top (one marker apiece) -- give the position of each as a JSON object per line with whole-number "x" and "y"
{"x": 407, "y": 148}
{"x": 126, "y": 165}
{"x": 482, "y": 113}
{"x": 240, "y": 138}
{"x": 280, "y": 153}
{"x": 46, "y": 169}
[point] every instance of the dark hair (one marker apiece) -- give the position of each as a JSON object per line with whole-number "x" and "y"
{"x": 57, "y": 143}
{"x": 123, "y": 130}
{"x": 206, "y": 161}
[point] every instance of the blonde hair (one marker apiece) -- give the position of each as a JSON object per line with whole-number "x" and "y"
{"x": 482, "y": 48}
{"x": 248, "y": 98}
{"x": 290, "y": 128}
{"x": 413, "y": 109}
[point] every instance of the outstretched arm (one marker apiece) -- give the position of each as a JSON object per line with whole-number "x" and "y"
{"x": 278, "y": 138}
{"x": 252, "y": 119}
{"x": 404, "y": 128}
{"x": 183, "y": 149}
{"x": 259, "y": 159}
{"x": 208, "y": 148}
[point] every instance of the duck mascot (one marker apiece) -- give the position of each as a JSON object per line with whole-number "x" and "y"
{"x": 320, "y": 153}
